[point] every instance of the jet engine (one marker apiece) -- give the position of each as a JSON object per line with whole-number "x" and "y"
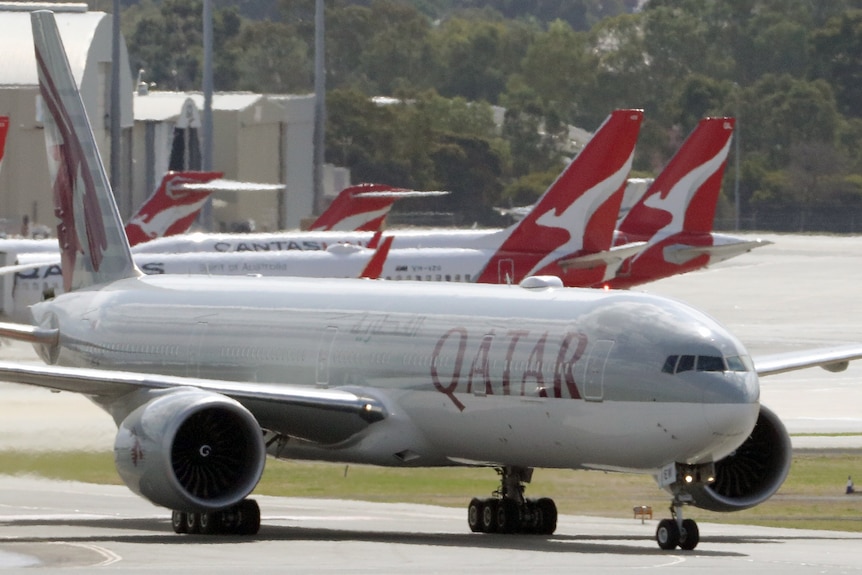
{"x": 751, "y": 474}
{"x": 190, "y": 450}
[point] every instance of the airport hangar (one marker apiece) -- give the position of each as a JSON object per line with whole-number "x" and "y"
{"x": 256, "y": 137}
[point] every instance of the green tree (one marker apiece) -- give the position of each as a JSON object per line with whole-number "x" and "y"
{"x": 168, "y": 45}
{"x": 271, "y": 60}
{"x": 837, "y": 56}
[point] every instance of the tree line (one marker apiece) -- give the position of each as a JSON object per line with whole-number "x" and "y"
{"x": 790, "y": 71}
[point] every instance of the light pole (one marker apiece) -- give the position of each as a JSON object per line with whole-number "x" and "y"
{"x": 319, "y": 106}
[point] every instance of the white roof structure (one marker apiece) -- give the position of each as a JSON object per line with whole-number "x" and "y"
{"x": 18, "y": 64}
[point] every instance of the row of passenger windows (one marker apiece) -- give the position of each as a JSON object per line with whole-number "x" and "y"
{"x": 680, "y": 363}
{"x": 434, "y": 277}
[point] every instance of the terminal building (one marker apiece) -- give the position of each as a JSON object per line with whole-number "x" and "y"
{"x": 256, "y": 138}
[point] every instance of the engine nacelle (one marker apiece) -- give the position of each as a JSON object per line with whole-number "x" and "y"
{"x": 190, "y": 450}
{"x": 752, "y": 473}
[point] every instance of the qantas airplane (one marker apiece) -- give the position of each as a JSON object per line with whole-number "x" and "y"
{"x": 205, "y": 376}
{"x": 671, "y": 223}
{"x": 364, "y": 207}
{"x": 587, "y": 259}
{"x": 170, "y": 209}
{"x": 675, "y": 216}
{"x": 574, "y": 220}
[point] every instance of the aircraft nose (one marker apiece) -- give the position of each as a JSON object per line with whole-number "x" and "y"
{"x": 732, "y": 410}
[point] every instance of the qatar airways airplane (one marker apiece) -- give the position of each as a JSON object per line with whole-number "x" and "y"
{"x": 205, "y": 376}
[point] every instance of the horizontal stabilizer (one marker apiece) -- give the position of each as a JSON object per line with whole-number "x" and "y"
{"x": 28, "y": 267}
{"x": 223, "y": 185}
{"x": 681, "y": 253}
{"x": 400, "y": 194}
{"x": 29, "y": 333}
{"x": 609, "y": 257}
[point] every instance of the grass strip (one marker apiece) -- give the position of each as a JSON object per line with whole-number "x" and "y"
{"x": 812, "y": 497}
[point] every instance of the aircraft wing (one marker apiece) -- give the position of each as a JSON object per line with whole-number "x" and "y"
{"x": 833, "y": 359}
{"x": 293, "y": 410}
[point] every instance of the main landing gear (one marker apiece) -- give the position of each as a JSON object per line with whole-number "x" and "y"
{"x": 241, "y": 519}
{"x": 677, "y": 531}
{"x": 508, "y": 511}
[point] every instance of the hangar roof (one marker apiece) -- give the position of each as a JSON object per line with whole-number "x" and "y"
{"x": 18, "y": 64}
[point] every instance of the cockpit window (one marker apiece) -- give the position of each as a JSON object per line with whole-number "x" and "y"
{"x": 710, "y": 363}
{"x": 670, "y": 364}
{"x": 740, "y": 363}
{"x": 686, "y": 363}
{"x": 681, "y": 363}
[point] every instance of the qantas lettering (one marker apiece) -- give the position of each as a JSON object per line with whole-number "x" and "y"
{"x": 272, "y": 246}
{"x": 451, "y": 349}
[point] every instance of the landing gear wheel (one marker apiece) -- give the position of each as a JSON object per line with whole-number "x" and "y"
{"x": 248, "y": 522}
{"x": 178, "y": 522}
{"x": 667, "y": 534}
{"x": 193, "y": 523}
{"x": 489, "y": 515}
{"x": 209, "y": 522}
{"x": 508, "y": 516}
{"x": 690, "y": 535}
{"x": 474, "y": 515}
{"x": 548, "y": 516}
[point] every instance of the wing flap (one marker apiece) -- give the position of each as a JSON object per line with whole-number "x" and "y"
{"x": 831, "y": 359}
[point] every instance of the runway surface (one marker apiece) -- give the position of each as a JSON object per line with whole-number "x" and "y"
{"x": 800, "y": 293}
{"x": 51, "y": 525}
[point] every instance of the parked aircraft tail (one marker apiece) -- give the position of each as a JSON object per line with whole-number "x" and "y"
{"x": 93, "y": 243}
{"x": 374, "y": 267}
{"x": 578, "y": 212}
{"x": 4, "y": 129}
{"x": 172, "y": 207}
{"x": 684, "y": 195}
{"x": 363, "y": 207}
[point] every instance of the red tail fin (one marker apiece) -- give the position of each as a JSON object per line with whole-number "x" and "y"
{"x": 560, "y": 219}
{"x": 4, "y": 129}
{"x": 684, "y": 195}
{"x": 349, "y": 211}
{"x": 374, "y": 267}
{"x": 170, "y": 210}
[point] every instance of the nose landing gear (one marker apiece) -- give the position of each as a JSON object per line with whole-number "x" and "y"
{"x": 677, "y": 532}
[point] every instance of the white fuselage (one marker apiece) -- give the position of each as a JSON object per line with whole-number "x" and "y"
{"x": 484, "y": 374}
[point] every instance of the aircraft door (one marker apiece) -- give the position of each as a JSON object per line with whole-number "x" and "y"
{"x": 506, "y": 271}
{"x": 594, "y": 380}
{"x": 324, "y": 354}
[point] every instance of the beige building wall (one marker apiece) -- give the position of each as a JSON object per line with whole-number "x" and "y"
{"x": 25, "y": 187}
